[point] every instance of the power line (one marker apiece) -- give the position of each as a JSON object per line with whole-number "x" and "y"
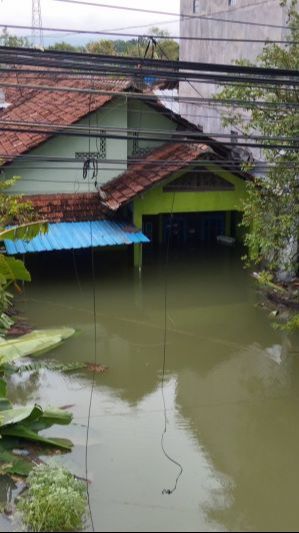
{"x": 167, "y": 75}
{"x": 158, "y": 162}
{"x": 152, "y": 98}
{"x": 225, "y": 166}
{"x": 86, "y": 61}
{"x": 86, "y": 131}
{"x": 168, "y": 13}
{"x": 190, "y": 140}
{"x": 70, "y": 31}
{"x": 106, "y": 72}
{"x": 160, "y": 97}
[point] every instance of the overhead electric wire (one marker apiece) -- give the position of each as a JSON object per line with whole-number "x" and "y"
{"x": 166, "y": 75}
{"x": 197, "y": 172}
{"x": 270, "y": 85}
{"x": 89, "y": 60}
{"x": 149, "y": 97}
{"x": 203, "y": 170}
{"x": 114, "y": 34}
{"x": 269, "y": 146}
{"x": 205, "y": 164}
{"x": 168, "y": 13}
{"x": 87, "y": 131}
{"x": 158, "y": 162}
{"x": 159, "y": 97}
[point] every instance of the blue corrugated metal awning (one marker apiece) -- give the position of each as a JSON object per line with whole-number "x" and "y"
{"x": 76, "y": 235}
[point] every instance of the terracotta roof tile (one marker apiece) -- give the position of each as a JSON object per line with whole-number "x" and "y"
{"x": 68, "y": 207}
{"x": 63, "y": 108}
{"x": 156, "y": 167}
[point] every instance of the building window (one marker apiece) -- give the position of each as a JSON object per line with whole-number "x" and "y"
{"x": 101, "y": 144}
{"x": 204, "y": 181}
{"x": 196, "y": 6}
{"x": 232, "y": 3}
{"x": 83, "y": 156}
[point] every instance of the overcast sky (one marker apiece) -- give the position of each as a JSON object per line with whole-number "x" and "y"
{"x": 63, "y": 15}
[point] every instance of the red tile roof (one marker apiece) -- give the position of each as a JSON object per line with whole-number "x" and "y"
{"x": 68, "y": 207}
{"x": 50, "y": 107}
{"x": 156, "y": 167}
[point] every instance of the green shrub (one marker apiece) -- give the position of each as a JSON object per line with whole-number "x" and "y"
{"x": 55, "y": 501}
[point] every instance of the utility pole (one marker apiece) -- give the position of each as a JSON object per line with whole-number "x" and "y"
{"x": 37, "y": 24}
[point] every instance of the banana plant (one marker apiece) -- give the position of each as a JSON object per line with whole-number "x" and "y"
{"x": 24, "y": 232}
{"x": 13, "y": 271}
{"x": 35, "y": 343}
{"x": 22, "y": 425}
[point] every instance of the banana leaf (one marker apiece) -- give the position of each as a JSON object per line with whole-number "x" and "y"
{"x": 11, "y": 417}
{"x": 15, "y": 466}
{"x": 5, "y": 405}
{"x": 24, "y": 232}
{"x": 25, "y": 422}
{"x": 49, "y": 418}
{"x": 13, "y": 270}
{"x": 3, "y": 388}
{"x": 20, "y": 431}
{"x": 32, "y": 344}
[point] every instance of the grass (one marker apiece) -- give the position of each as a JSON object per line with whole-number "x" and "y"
{"x": 55, "y": 501}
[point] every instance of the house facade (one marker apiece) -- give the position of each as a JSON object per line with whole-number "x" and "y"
{"x": 103, "y": 158}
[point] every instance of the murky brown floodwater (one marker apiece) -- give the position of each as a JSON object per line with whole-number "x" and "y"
{"x": 232, "y": 392}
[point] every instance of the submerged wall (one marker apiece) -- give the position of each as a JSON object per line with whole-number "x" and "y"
{"x": 156, "y": 201}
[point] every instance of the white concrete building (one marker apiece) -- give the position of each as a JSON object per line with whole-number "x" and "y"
{"x": 262, "y": 11}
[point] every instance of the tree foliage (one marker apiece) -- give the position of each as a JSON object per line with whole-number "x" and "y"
{"x": 271, "y": 207}
{"x": 6, "y": 39}
{"x": 163, "y": 49}
{"x": 13, "y": 210}
{"x": 62, "y": 46}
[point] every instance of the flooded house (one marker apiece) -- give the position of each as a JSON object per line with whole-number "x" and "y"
{"x": 107, "y": 164}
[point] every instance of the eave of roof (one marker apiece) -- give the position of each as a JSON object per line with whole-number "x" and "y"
{"x": 142, "y": 176}
{"x": 77, "y": 207}
{"x": 78, "y": 236}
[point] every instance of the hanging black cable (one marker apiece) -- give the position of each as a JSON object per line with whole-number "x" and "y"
{"x": 163, "y": 446}
{"x": 76, "y": 58}
{"x": 94, "y": 309}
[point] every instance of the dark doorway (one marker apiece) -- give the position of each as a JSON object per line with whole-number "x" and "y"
{"x": 193, "y": 229}
{"x": 187, "y": 229}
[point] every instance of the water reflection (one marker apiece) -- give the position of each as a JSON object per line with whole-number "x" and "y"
{"x": 8, "y": 491}
{"x": 231, "y": 395}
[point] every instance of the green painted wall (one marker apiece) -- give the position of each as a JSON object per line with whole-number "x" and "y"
{"x": 155, "y": 201}
{"x": 36, "y": 179}
{"x": 65, "y": 180}
{"x": 142, "y": 116}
